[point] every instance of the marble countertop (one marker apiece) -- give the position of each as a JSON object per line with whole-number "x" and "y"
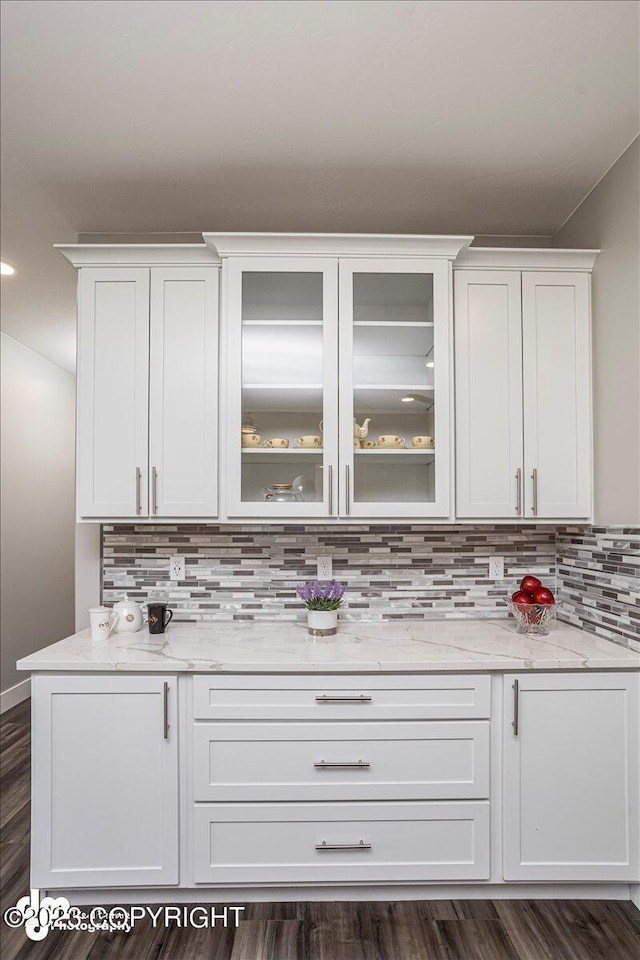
{"x": 285, "y": 647}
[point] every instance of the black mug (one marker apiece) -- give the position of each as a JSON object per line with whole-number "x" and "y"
{"x": 158, "y": 616}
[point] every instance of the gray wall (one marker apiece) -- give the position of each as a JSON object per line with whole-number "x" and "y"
{"x": 608, "y": 218}
{"x": 37, "y": 538}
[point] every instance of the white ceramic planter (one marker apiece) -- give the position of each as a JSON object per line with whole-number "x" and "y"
{"x": 322, "y": 623}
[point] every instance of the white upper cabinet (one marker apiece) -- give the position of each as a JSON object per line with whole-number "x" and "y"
{"x": 338, "y": 375}
{"x": 183, "y": 392}
{"x": 488, "y": 337}
{"x": 523, "y": 385}
{"x": 113, "y": 392}
{"x": 147, "y": 437}
{"x": 557, "y": 394}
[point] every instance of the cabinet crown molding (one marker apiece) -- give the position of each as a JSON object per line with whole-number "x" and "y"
{"x": 335, "y": 245}
{"x": 525, "y": 258}
{"x": 138, "y": 254}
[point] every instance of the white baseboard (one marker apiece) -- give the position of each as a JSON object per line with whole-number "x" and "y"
{"x": 635, "y": 894}
{"x": 16, "y": 694}
{"x": 355, "y": 892}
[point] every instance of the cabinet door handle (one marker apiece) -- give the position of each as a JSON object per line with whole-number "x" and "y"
{"x": 534, "y": 477}
{"x": 330, "y": 482}
{"x": 138, "y": 496}
{"x": 516, "y": 707}
{"x": 165, "y": 710}
{"x": 325, "y": 698}
{"x": 347, "y": 492}
{"x": 519, "y": 491}
{"x": 154, "y": 490}
{"x": 361, "y": 845}
{"x": 338, "y": 765}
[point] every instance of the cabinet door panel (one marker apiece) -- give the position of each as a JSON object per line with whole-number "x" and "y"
{"x": 183, "y": 391}
{"x": 488, "y": 350}
{"x": 571, "y": 778}
{"x": 281, "y": 420}
{"x": 395, "y": 384}
{"x": 105, "y": 782}
{"x": 557, "y": 394}
{"x": 113, "y": 359}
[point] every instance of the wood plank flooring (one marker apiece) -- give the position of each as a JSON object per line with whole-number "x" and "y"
{"x": 415, "y": 930}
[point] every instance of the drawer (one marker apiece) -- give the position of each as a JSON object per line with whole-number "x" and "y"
{"x": 341, "y": 843}
{"x": 447, "y": 760}
{"x": 337, "y": 697}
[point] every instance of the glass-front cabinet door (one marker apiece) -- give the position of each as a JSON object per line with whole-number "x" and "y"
{"x": 394, "y": 388}
{"x": 282, "y": 429}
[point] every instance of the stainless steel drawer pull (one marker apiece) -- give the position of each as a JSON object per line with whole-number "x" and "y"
{"x": 349, "y": 765}
{"x": 519, "y": 491}
{"x": 534, "y": 478}
{"x": 343, "y": 846}
{"x": 154, "y": 490}
{"x": 165, "y": 709}
{"x": 516, "y": 707}
{"x": 325, "y": 698}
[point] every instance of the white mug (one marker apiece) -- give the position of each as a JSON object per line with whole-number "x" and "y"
{"x": 102, "y": 622}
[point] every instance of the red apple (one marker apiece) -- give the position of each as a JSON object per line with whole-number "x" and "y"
{"x": 522, "y": 597}
{"x": 543, "y": 596}
{"x": 529, "y": 584}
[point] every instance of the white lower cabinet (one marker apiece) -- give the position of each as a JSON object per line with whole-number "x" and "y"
{"x": 334, "y": 779}
{"x": 341, "y": 842}
{"x": 105, "y": 781}
{"x": 570, "y": 802}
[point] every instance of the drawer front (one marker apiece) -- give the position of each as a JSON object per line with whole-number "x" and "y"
{"x": 333, "y": 697}
{"x": 341, "y": 761}
{"x": 341, "y": 843}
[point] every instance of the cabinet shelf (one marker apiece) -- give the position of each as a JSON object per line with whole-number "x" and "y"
{"x": 282, "y": 323}
{"x": 279, "y": 452}
{"x": 404, "y": 451}
{"x": 393, "y": 323}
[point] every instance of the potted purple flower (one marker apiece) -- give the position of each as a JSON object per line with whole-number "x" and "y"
{"x": 322, "y": 603}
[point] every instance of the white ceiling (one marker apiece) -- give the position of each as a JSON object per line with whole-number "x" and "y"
{"x": 479, "y": 117}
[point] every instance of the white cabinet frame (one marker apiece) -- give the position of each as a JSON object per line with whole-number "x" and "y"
{"x": 443, "y": 380}
{"x": 233, "y": 270}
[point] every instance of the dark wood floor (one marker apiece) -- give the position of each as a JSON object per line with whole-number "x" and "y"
{"x": 418, "y": 930}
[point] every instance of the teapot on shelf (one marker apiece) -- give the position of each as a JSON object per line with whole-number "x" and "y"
{"x": 284, "y": 492}
{"x": 359, "y": 433}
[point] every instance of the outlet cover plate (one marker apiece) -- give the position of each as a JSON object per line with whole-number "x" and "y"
{"x": 176, "y": 568}
{"x": 325, "y": 567}
{"x": 496, "y": 568}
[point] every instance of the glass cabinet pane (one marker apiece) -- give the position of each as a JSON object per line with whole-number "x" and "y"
{"x": 282, "y": 358}
{"x": 394, "y": 396}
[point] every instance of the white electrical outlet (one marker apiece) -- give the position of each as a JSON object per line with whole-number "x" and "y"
{"x": 325, "y": 568}
{"x": 176, "y": 568}
{"x": 496, "y": 568}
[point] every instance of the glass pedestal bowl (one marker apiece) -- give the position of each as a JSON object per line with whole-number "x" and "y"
{"x": 533, "y": 618}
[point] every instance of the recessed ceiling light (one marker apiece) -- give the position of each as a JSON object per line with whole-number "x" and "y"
{"x": 430, "y": 363}
{"x": 407, "y": 399}
{"x": 6, "y": 269}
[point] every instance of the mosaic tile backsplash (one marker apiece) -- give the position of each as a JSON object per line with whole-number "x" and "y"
{"x": 598, "y": 580}
{"x": 250, "y": 572}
